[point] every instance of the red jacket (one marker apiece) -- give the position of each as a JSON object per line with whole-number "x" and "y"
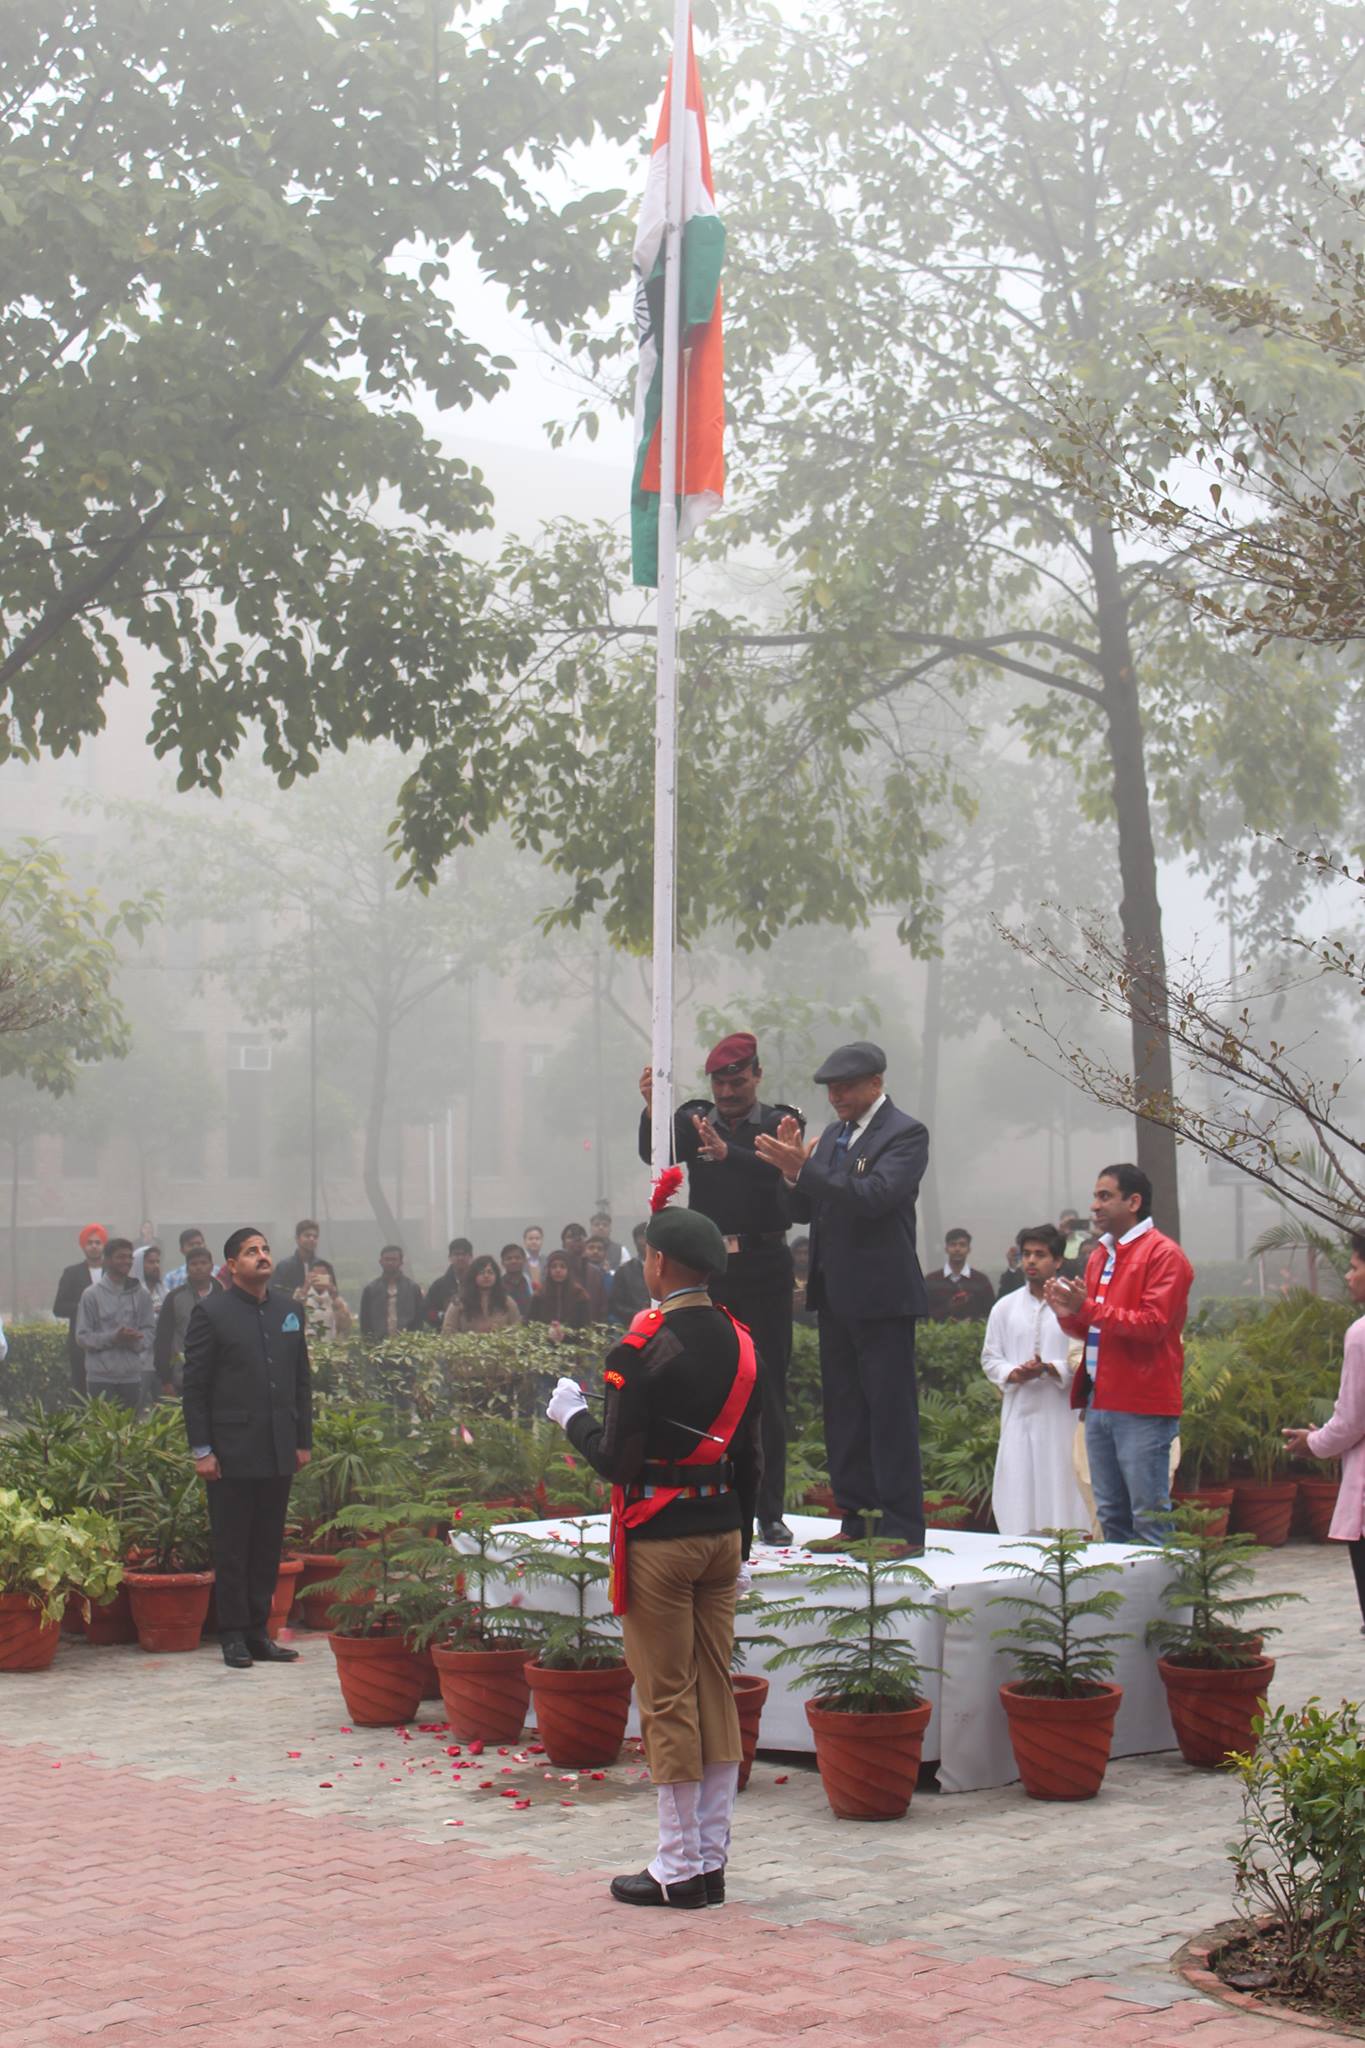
{"x": 1142, "y": 1360}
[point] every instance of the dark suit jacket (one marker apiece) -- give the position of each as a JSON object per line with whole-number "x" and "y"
{"x": 247, "y": 1389}
{"x": 863, "y": 1262}
{"x": 374, "y": 1306}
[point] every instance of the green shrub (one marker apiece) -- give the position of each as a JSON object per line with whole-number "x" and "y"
{"x": 37, "y": 1371}
{"x": 1055, "y": 1650}
{"x": 46, "y": 1557}
{"x": 1300, "y": 1852}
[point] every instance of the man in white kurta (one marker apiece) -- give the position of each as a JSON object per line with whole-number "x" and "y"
{"x": 1025, "y": 1356}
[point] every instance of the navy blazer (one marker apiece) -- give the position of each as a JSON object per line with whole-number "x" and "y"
{"x": 247, "y": 1389}
{"x": 863, "y": 1261}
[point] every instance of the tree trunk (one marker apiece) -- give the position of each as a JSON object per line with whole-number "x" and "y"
{"x": 1140, "y": 904}
{"x": 374, "y": 1132}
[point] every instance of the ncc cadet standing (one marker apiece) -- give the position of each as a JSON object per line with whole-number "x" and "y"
{"x": 680, "y": 1442}
{"x": 727, "y": 1181}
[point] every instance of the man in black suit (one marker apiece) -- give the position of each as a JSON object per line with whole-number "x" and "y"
{"x": 248, "y": 1407}
{"x": 856, "y": 1186}
{"x": 72, "y": 1285}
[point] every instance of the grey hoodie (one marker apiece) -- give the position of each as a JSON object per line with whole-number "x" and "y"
{"x": 106, "y": 1307}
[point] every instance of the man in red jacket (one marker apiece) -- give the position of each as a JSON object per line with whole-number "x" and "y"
{"x": 1130, "y": 1309}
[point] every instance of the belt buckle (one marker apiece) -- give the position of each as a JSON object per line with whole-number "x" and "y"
{"x": 732, "y": 1244}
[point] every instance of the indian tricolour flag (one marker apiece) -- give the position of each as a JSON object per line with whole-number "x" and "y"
{"x": 700, "y": 480}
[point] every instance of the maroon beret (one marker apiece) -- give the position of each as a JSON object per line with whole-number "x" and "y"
{"x": 733, "y": 1051}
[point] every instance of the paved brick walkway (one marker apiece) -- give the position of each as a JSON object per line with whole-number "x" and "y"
{"x": 215, "y": 1857}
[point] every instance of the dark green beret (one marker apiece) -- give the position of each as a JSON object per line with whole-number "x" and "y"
{"x": 689, "y": 1237}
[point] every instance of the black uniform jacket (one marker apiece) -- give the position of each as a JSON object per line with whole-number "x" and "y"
{"x": 247, "y": 1389}
{"x": 740, "y": 1192}
{"x": 861, "y": 1209}
{"x": 661, "y": 1400}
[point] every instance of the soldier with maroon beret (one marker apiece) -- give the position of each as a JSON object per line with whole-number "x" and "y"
{"x": 727, "y": 1181}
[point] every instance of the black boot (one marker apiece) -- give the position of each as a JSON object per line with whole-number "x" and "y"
{"x": 235, "y": 1652}
{"x": 774, "y": 1532}
{"x": 644, "y": 1890}
{"x": 262, "y": 1651}
{"x": 715, "y": 1886}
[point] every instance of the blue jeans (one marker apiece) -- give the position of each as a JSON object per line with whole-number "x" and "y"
{"x": 1130, "y": 1473}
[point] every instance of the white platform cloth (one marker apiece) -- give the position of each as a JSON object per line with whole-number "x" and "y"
{"x": 967, "y": 1736}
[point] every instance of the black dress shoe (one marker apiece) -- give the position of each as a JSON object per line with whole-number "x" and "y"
{"x": 235, "y": 1652}
{"x": 774, "y": 1532}
{"x": 715, "y": 1886}
{"x": 644, "y": 1890}
{"x": 263, "y": 1651}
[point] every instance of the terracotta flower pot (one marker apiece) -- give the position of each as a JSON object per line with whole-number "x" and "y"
{"x": 750, "y": 1692}
{"x": 314, "y": 1609}
{"x": 581, "y": 1715}
{"x": 169, "y": 1608}
{"x": 1212, "y": 1711}
{"x": 1263, "y": 1508}
{"x": 1217, "y": 1498}
{"x": 111, "y": 1621}
{"x": 1317, "y": 1504}
{"x": 485, "y": 1693}
{"x": 869, "y": 1763}
{"x": 381, "y": 1680}
{"x": 27, "y": 1642}
{"x": 1061, "y": 1746}
{"x": 282, "y": 1599}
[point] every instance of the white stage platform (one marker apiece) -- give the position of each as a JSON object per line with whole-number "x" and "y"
{"x": 967, "y": 1736}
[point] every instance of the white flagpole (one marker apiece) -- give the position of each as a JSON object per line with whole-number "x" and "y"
{"x": 666, "y": 677}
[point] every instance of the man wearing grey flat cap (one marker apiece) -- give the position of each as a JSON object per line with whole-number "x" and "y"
{"x": 856, "y": 1185}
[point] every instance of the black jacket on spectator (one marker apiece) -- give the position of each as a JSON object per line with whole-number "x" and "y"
{"x": 290, "y": 1275}
{"x": 247, "y": 1390}
{"x": 374, "y": 1306}
{"x": 660, "y": 1400}
{"x": 439, "y": 1296}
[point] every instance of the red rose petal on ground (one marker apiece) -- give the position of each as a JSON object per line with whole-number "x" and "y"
{"x": 452, "y": 1749}
{"x": 346, "y": 1731}
{"x": 293, "y": 1752}
{"x": 476, "y": 1749}
{"x": 521, "y": 1806}
{"x": 780, "y": 1781}
{"x": 324, "y": 1784}
{"x": 485, "y": 1784}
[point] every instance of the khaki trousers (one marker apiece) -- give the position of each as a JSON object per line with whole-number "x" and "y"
{"x": 679, "y": 1630}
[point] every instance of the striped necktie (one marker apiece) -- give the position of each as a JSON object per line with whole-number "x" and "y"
{"x": 842, "y": 1141}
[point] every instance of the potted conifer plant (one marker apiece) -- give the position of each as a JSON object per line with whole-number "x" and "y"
{"x": 170, "y": 1576}
{"x": 1062, "y": 1704}
{"x": 868, "y": 1714}
{"x": 355, "y": 1458}
{"x": 480, "y": 1645}
{"x": 580, "y": 1683}
{"x": 1213, "y": 1667}
{"x": 380, "y": 1595}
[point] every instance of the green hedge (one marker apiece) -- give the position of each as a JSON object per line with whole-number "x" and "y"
{"x": 37, "y": 1369}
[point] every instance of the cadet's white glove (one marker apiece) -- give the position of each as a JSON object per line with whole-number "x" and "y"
{"x": 743, "y": 1580}
{"x": 566, "y": 1400}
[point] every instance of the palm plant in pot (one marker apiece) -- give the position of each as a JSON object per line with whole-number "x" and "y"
{"x": 379, "y": 1599}
{"x": 868, "y": 1714}
{"x": 580, "y": 1683}
{"x": 170, "y": 1551}
{"x": 1062, "y": 1703}
{"x": 1213, "y": 1667}
{"x": 480, "y": 1645}
{"x": 46, "y": 1558}
{"x": 1263, "y": 1495}
{"x": 1209, "y": 1431}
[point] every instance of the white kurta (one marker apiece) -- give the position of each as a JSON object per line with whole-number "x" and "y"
{"x": 1035, "y": 1484}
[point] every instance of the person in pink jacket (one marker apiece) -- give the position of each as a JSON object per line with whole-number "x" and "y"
{"x": 1343, "y": 1436}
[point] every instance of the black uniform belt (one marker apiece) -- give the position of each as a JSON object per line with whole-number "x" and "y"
{"x": 718, "y": 1476}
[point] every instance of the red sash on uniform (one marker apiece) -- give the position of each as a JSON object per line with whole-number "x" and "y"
{"x": 634, "y": 1514}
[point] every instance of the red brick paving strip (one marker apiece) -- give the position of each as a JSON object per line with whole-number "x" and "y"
{"x": 136, "y": 1911}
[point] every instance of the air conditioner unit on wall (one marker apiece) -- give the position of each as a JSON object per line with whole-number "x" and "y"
{"x": 249, "y": 1057}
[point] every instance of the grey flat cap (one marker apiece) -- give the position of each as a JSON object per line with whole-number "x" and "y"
{"x": 851, "y": 1062}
